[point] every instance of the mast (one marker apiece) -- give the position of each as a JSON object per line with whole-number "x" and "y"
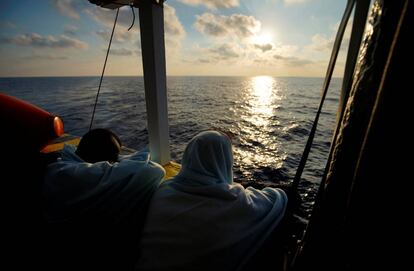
{"x": 151, "y": 19}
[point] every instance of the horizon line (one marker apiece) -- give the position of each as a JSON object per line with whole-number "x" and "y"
{"x": 69, "y": 76}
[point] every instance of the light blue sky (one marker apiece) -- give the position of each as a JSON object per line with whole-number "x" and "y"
{"x": 215, "y": 37}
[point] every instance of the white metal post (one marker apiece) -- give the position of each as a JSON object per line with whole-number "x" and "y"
{"x": 151, "y": 18}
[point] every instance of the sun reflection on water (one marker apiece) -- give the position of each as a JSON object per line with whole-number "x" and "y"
{"x": 262, "y": 87}
{"x": 261, "y": 98}
{"x": 257, "y": 145}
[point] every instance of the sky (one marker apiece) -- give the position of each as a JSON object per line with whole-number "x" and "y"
{"x": 202, "y": 37}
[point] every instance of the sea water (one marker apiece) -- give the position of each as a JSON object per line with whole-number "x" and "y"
{"x": 269, "y": 117}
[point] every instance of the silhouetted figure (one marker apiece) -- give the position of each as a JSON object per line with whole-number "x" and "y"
{"x": 201, "y": 220}
{"x": 95, "y": 205}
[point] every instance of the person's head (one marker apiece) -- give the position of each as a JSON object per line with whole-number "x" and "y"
{"x": 99, "y": 145}
{"x": 209, "y": 153}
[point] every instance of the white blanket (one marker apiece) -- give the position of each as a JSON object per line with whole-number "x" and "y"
{"x": 110, "y": 193}
{"x": 201, "y": 220}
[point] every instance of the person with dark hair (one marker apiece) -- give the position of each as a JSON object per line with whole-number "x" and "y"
{"x": 100, "y": 200}
{"x": 99, "y": 145}
{"x": 201, "y": 219}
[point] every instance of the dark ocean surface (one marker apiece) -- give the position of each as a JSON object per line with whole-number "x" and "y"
{"x": 270, "y": 117}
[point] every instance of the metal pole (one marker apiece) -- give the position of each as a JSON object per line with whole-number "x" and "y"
{"x": 151, "y": 18}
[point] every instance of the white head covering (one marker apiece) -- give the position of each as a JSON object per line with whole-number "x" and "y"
{"x": 200, "y": 220}
{"x": 208, "y": 159}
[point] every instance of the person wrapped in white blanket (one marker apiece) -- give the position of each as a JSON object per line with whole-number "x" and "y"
{"x": 89, "y": 182}
{"x": 98, "y": 200}
{"x": 201, "y": 220}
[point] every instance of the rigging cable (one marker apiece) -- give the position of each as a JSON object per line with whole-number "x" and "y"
{"x": 103, "y": 70}
{"x": 297, "y": 178}
{"x": 133, "y": 16}
{"x": 332, "y": 61}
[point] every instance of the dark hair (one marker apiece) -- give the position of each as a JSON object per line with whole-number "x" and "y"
{"x": 99, "y": 145}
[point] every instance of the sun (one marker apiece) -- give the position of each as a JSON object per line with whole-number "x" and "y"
{"x": 264, "y": 38}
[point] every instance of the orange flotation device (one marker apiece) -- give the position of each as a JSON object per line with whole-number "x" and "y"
{"x": 25, "y": 126}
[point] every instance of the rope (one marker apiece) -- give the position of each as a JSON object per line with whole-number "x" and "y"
{"x": 297, "y": 178}
{"x": 325, "y": 88}
{"x": 133, "y": 16}
{"x": 103, "y": 70}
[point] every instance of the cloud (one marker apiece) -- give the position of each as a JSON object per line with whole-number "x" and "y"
{"x": 292, "y": 61}
{"x": 174, "y": 32}
{"x": 173, "y": 29}
{"x": 286, "y": 50}
{"x": 212, "y": 4}
{"x": 44, "y": 57}
{"x": 36, "y": 40}
{"x": 119, "y": 36}
{"x": 69, "y": 8}
{"x": 7, "y": 24}
{"x": 263, "y": 47}
{"x": 204, "y": 61}
{"x": 70, "y": 30}
{"x": 294, "y": 2}
{"x": 241, "y": 26}
{"x": 173, "y": 26}
{"x": 225, "y": 52}
{"x": 120, "y": 51}
{"x": 321, "y": 43}
{"x": 106, "y": 17}
{"x": 324, "y": 44}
